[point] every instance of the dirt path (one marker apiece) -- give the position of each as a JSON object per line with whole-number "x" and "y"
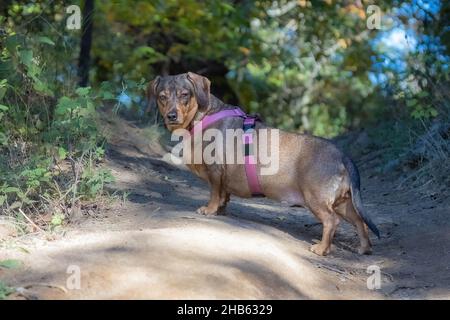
{"x": 154, "y": 245}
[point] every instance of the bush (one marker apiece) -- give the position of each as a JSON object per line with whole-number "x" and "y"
{"x": 50, "y": 144}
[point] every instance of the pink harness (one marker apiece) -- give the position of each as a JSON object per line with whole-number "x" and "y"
{"x": 247, "y": 140}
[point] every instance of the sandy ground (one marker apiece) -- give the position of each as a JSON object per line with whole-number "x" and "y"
{"x": 154, "y": 245}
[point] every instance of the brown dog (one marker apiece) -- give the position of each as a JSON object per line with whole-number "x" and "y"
{"x": 312, "y": 173}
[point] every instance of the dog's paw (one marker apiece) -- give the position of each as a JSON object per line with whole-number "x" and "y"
{"x": 205, "y": 210}
{"x": 319, "y": 249}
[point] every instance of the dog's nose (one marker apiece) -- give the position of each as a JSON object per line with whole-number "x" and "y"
{"x": 172, "y": 116}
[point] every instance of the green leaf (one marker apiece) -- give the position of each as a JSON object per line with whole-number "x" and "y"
{"x": 411, "y": 102}
{"x": 65, "y": 104}
{"x": 416, "y": 114}
{"x": 423, "y": 94}
{"x": 45, "y": 40}
{"x": 3, "y": 108}
{"x": 62, "y": 153}
{"x": 26, "y": 57}
{"x": 2, "y": 200}
{"x": 107, "y": 95}
{"x": 10, "y": 189}
{"x": 12, "y": 42}
{"x": 2, "y": 92}
{"x": 106, "y": 91}
{"x": 227, "y": 7}
{"x": 41, "y": 87}
{"x": 3, "y": 139}
{"x": 433, "y": 112}
{"x": 3, "y": 88}
{"x": 57, "y": 219}
{"x": 83, "y": 91}
{"x": 150, "y": 54}
{"x": 10, "y": 264}
{"x": 5, "y": 290}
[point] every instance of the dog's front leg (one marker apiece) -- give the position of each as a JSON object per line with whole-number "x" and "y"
{"x": 215, "y": 200}
{"x": 225, "y": 198}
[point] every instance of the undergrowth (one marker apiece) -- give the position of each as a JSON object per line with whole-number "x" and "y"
{"x": 51, "y": 147}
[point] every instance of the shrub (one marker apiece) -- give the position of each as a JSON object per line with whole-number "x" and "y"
{"x": 50, "y": 144}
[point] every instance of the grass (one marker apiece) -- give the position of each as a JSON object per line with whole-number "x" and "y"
{"x": 5, "y": 290}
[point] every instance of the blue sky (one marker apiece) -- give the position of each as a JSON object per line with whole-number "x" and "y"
{"x": 397, "y": 39}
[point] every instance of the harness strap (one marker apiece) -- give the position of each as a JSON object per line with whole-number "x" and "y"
{"x": 247, "y": 140}
{"x": 211, "y": 118}
{"x": 249, "y": 156}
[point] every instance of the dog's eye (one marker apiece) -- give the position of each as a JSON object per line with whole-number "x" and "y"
{"x": 185, "y": 94}
{"x": 162, "y": 97}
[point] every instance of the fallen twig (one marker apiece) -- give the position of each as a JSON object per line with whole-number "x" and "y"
{"x": 48, "y": 285}
{"x": 30, "y": 221}
{"x": 27, "y": 294}
{"x": 341, "y": 272}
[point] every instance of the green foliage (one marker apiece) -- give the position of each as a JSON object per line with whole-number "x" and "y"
{"x": 302, "y": 68}
{"x": 50, "y": 145}
{"x": 314, "y": 74}
{"x": 57, "y": 220}
{"x": 5, "y": 291}
{"x": 10, "y": 264}
{"x": 421, "y": 111}
{"x": 93, "y": 182}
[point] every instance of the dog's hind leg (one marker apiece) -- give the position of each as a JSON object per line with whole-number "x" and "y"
{"x": 348, "y": 212}
{"x": 330, "y": 220}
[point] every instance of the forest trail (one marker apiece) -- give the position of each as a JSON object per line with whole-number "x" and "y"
{"x": 154, "y": 245}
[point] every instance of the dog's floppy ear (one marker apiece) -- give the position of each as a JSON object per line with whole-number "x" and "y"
{"x": 151, "y": 94}
{"x": 201, "y": 89}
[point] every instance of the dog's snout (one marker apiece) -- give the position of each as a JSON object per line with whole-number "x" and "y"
{"x": 172, "y": 116}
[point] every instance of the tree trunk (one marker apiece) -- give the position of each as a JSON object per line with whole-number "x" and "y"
{"x": 86, "y": 43}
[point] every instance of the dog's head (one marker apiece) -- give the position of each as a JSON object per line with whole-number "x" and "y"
{"x": 179, "y": 98}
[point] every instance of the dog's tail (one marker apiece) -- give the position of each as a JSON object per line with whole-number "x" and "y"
{"x": 356, "y": 194}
